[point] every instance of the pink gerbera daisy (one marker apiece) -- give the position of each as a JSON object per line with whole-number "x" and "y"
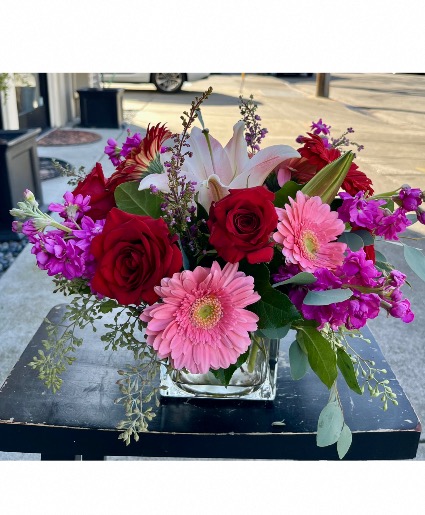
{"x": 201, "y": 322}
{"x": 306, "y": 229}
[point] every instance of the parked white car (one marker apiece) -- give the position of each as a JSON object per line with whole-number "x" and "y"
{"x": 164, "y": 82}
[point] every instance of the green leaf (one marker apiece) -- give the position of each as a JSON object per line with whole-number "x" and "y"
{"x": 201, "y": 212}
{"x": 321, "y": 356}
{"x": 380, "y": 257}
{"x": 367, "y": 238}
{"x": 412, "y": 217}
{"x": 298, "y": 361}
{"x": 344, "y": 441}
{"x": 108, "y": 306}
{"x": 383, "y": 266}
{"x": 275, "y": 333}
{"x": 274, "y": 309}
{"x": 353, "y": 241}
{"x": 329, "y": 426}
{"x": 327, "y": 182}
{"x": 129, "y": 199}
{"x": 289, "y": 189}
{"x": 301, "y": 278}
{"x": 326, "y": 297}
{"x": 416, "y": 260}
{"x": 345, "y": 364}
{"x": 224, "y": 375}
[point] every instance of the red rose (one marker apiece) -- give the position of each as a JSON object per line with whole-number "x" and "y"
{"x": 241, "y": 223}
{"x": 102, "y": 199}
{"x": 133, "y": 253}
{"x": 317, "y": 155}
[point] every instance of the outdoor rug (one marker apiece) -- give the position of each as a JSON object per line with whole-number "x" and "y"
{"x": 61, "y": 137}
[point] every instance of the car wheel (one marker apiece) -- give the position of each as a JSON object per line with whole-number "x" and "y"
{"x": 168, "y": 82}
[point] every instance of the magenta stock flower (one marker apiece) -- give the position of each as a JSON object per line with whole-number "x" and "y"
{"x": 130, "y": 143}
{"x": 74, "y": 206}
{"x": 392, "y": 224}
{"x": 201, "y": 322}
{"x": 360, "y": 212}
{"x": 410, "y": 198}
{"x": 306, "y": 229}
{"x": 113, "y": 151}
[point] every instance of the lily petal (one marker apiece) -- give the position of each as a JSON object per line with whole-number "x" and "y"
{"x": 237, "y": 150}
{"x": 211, "y": 190}
{"x": 261, "y": 164}
{"x": 160, "y": 180}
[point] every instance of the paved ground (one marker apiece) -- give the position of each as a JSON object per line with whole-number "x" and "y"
{"x": 388, "y": 114}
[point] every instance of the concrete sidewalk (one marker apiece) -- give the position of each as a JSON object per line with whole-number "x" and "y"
{"x": 287, "y": 110}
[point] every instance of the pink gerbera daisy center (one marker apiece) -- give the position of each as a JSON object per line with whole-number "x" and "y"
{"x": 310, "y": 243}
{"x": 206, "y": 312}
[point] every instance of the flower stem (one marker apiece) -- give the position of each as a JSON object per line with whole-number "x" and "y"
{"x": 255, "y": 345}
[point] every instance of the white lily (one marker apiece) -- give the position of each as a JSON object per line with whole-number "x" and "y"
{"x": 216, "y": 169}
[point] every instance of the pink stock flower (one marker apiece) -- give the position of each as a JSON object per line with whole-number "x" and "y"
{"x": 306, "y": 229}
{"x": 201, "y": 322}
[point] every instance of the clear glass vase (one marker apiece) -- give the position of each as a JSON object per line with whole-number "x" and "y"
{"x": 254, "y": 380}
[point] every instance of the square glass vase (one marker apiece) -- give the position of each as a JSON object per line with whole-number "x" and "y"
{"x": 254, "y": 380}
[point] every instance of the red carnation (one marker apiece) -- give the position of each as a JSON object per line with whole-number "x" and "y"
{"x": 241, "y": 224}
{"x": 315, "y": 156}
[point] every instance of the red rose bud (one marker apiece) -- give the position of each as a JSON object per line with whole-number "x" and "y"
{"x": 241, "y": 223}
{"x": 133, "y": 253}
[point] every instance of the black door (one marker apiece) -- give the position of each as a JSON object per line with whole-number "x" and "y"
{"x": 32, "y": 100}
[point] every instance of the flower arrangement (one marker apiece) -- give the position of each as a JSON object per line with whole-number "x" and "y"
{"x": 200, "y": 251}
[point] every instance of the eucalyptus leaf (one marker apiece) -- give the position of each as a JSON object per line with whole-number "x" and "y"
{"x": 321, "y": 356}
{"x": 329, "y": 426}
{"x": 353, "y": 241}
{"x": 365, "y": 235}
{"x": 380, "y": 257}
{"x": 301, "y": 278}
{"x": 346, "y": 367}
{"x": 275, "y": 333}
{"x": 344, "y": 441}
{"x": 416, "y": 260}
{"x": 412, "y": 217}
{"x": 326, "y": 297}
{"x": 129, "y": 199}
{"x": 298, "y": 361}
{"x": 289, "y": 189}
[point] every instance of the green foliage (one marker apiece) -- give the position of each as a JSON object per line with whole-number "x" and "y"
{"x": 274, "y": 309}
{"x": 298, "y": 361}
{"x": 129, "y": 199}
{"x": 289, "y": 189}
{"x": 224, "y": 375}
{"x": 326, "y": 297}
{"x": 344, "y": 441}
{"x": 354, "y": 242}
{"x": 345, "y": 365}
{"x": 301, "y": 278}
{"x": 416, "y": 260}
{"x": 321, "y": 355}
{"x": 329, "y": 426}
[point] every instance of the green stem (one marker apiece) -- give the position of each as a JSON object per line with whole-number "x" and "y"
{"x": 253, "y": 353}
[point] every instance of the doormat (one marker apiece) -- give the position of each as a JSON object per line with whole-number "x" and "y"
{"x": 61, "y": 137}
{"x": 48, "y": 169}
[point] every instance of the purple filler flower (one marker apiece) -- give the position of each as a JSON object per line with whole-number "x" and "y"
{"x": 320, "y": 128}
{"x": 360, "y": 212}
{"x": 130, "y": 143}
{"x": 73, "y": 208}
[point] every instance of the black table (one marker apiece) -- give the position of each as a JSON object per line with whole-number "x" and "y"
{"x": 80, "y": 419}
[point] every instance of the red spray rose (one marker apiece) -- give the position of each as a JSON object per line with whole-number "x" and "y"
{"x": 102, "y": 199}
{"x": 241, "y": 223}
{"x": 133, "y": 253}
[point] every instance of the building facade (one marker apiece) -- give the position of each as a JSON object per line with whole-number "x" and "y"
{"x": 45, "y": 100}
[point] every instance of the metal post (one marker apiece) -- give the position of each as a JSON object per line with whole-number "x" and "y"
{"x": 322, "y": 84}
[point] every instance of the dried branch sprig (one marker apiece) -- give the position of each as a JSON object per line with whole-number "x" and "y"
{"x": 177, "y": 204}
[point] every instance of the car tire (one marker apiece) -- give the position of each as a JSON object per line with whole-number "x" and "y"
{"x": 168, "y": 82}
